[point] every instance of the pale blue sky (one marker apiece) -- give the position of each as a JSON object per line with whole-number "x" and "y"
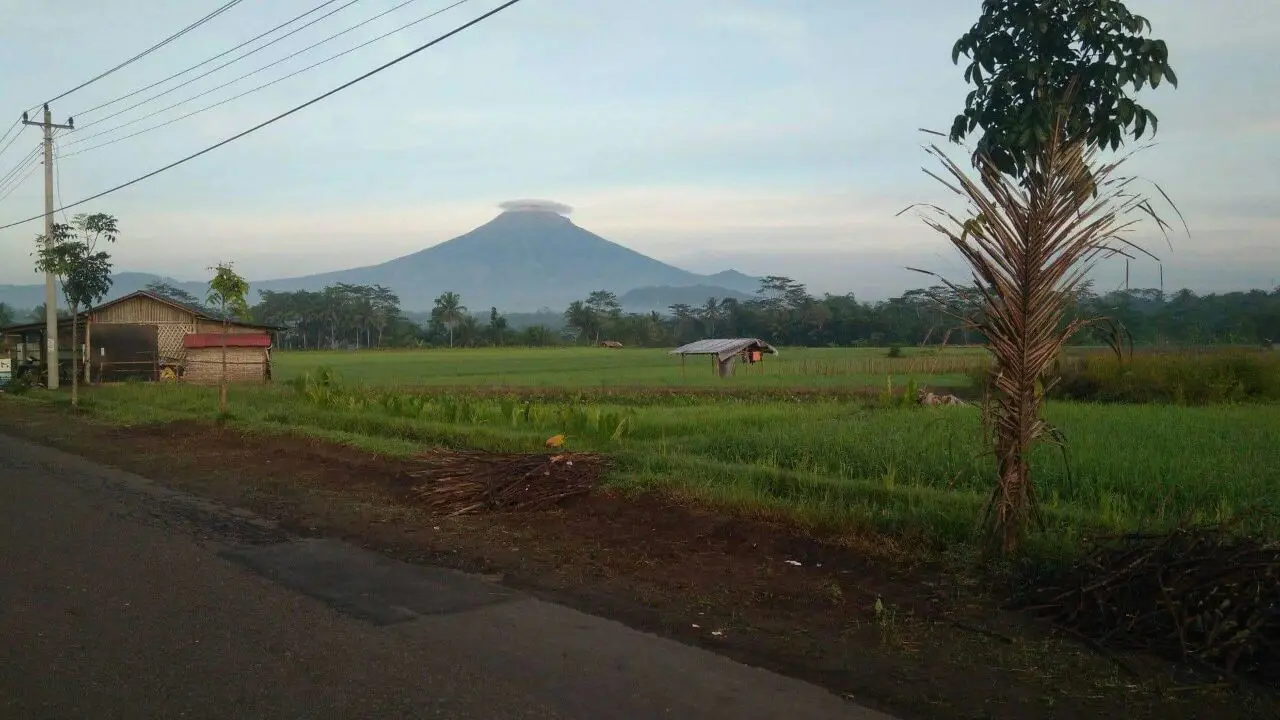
{"x": 767, "y": 135}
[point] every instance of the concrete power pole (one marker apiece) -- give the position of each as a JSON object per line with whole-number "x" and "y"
{"x": 50, "y": 289}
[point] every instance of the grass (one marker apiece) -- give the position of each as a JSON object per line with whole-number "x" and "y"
{"x": 577, "y": 367}
{"x": 915, "y": 473}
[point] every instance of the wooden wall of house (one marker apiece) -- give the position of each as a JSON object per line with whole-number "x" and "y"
{"x": 204, "y": 365}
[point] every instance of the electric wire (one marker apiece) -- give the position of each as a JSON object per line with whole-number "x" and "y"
{"x": 21, "y": 165}
{"x": 207, "y": 73}
{"x": 15, "y": 124}
{"x": 13, "y": 139}
{"x": 250, "y": 91}
{"x": 18, "y": 175}
{"x": 5, "y": 194}
{"x": 224, "y": 53}
{"x": 227, "y": 6}
{"x": 283, "y": 115}
{"x": 223, "y": 85}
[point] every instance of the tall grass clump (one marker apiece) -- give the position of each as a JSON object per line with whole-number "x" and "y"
{"x": 1191, "y": 378}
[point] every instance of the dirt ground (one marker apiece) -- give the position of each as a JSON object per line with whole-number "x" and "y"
{"x": 762, "y": 592}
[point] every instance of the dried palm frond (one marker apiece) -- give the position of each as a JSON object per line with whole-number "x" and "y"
{"x": 1029, "y": 243}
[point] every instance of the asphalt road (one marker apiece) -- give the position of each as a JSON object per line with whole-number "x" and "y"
{"x": 122, "y": 599}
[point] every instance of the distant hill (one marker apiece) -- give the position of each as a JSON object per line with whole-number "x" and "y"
{"x": 528, "y": 257}
{"x": 25, "y": 297}
{"x": 661, "y": 298}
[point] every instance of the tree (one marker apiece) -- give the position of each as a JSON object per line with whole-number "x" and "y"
{"x": 176, "y": 294}
{"x": 449, "y": 311}
{"x": 1037, "y": 65}
{"x": 497, "y": 326}
{"x": 228, "y": 293}
{"x": 7, "y": 315}
{"x": 1030, "y": 243}
{"x": 605, "y": 308}
{"x": 71, "y": 253}
{"x": 580, "y": 317}
{"x": 37, "y": 314}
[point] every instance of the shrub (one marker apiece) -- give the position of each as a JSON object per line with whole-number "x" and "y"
{"x": 895, "y": 351}
{"x": 1196, "y": 378}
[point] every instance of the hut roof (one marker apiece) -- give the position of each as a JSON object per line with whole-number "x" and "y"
{"x": 199, "y": 312}
{"x": 724, "y": 348}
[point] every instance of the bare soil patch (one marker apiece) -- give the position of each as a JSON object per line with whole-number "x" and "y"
{"x": 912, "y": 639}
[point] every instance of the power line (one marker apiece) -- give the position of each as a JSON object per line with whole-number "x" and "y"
{"x": 15, "y": 124}
{"x": 13, "y": 139}
{"x": 282, "y": 115}
{"x": 225, "y": 84}
{"x": 207, "y": 72}
{"x": 18, "y": 184}
{"x": 321, "y": 6}
{"x": 246, "y": 92}
{"x": 18, "y": 176}
{"x": 58, "y": 182}
{"x": 148, "y": 51}
{"x": 21, "y": 165}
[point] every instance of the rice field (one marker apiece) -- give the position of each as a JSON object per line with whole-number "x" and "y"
{"x": 578, "y": 367}
{"x": 855, "y": 464}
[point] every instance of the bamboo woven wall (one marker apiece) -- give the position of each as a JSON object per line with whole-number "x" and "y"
{"x": 204, "y": 365}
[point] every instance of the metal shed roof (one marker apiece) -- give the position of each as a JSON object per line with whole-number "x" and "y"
{"x": 724, "y": 348}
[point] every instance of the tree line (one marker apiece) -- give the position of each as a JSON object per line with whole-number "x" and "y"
{"x": 782, "y": 312}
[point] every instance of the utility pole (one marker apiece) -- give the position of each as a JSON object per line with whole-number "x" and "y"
{"x": 50, "y": 291}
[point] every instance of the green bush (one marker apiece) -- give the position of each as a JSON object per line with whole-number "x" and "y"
{"x": 21, "y": 384}
{"x": 895, "y": 351}
{"x": 1199, "y": 378}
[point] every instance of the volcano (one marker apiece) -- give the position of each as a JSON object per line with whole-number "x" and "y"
{"x": 528, "y": 257}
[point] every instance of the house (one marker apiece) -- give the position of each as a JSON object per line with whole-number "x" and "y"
{"x": 143, "y": 335}
{"x": 610, "y": 344}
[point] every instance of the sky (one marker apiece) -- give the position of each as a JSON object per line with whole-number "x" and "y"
{"x": 770, "y": 136}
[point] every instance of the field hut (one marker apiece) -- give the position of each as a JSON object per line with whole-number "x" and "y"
{"x": 725, "y": 352}
{"x": 143, "y": 336}
{"x": 610, "y": 344}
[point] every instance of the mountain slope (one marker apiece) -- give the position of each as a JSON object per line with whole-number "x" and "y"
{"x": 519, "y": 261}
{"x": 526, "y": 258}
{"x": 645, "y": 299}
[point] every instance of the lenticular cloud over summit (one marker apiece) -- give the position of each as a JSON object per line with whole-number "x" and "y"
{"x": 536, "y": 206}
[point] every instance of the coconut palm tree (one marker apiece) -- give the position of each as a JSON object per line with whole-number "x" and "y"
{"x": 449, "y": 311}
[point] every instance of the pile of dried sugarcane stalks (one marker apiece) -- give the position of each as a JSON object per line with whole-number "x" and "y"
{"x": 457, "y": 482}
{"x": 1206, "y": 595}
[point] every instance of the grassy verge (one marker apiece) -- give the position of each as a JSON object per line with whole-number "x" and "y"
{"x": 916, "y": 474}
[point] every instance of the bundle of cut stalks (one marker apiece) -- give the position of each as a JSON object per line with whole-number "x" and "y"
{"x": 457, "y": 482}
{"x": 1202, "y": 594}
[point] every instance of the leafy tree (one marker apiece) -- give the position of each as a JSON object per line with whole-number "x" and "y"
{"x": 8, "y": 315}
{"x": 176, "y": 294}
{"x": 605, "y": 308}
{"x": 71, "y": 253}
{"x": 581, "y": 318}
{"x": 1050, "y": 79}
{"x": 449, "y": 311}
{"x": 227, "y": 294}
{"x": 37, "y": 314}
{"x": 1035, "y": 63}
{"x": 497, "y": 326}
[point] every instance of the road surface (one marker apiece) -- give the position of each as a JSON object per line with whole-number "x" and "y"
{"x": 122, "y": 599}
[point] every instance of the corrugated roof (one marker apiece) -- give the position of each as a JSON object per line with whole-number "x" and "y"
{"x": 723, "y": 347}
